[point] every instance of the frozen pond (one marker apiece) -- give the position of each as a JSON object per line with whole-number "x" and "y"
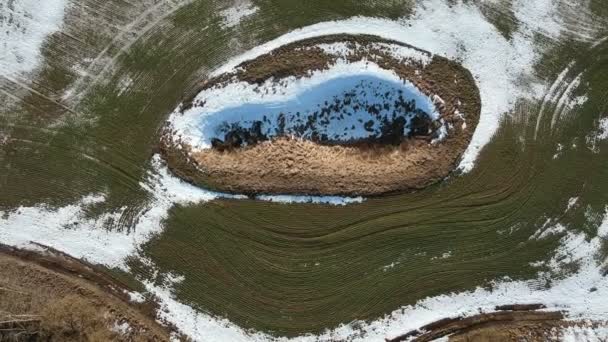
{"x": 341, "y": 109}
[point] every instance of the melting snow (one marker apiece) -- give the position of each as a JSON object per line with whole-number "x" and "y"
{"x": 584, "y": 334}
{"x": 603, "y": 133}
{"x": 602, "y": 231}
{"x": 571, "y": 203}
{"x": 234, "y": 15}
{"x": 592, "y": 139}
{"x": 136, "y": 297}
{"x": 121, "y": 328}
{"x": 24, "y": 25}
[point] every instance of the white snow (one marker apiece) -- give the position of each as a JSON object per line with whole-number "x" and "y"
{"x": 544, "y": 233}
{"x": 24, "y": 25}
{"x": 233, "y": 15}
{"x": 600, "y": 134}
{"x": 125, "y": 83}
{"x": 584, "y": 334}
{"x": 405, "y": 53}
{"x": 196, "y": 325}
{"x": 64, "y": 229}
{"x": 602, "y": 231}
{"x": 577, "y": 101}
{"x": 338, "y": 49}
{"x": 121, "y": 328}
{"x": 603, "y": 129}
{"x": 547, "y": 229}
{"x": 136, "y": 297}
{"x": 539, "y": 16}
{"x": 391, "y": 265}
{"x": 445, "y": 255}
{"x": 571, "y": 203}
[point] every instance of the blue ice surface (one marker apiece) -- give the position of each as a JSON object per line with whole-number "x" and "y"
{"x": 345, "y": 124}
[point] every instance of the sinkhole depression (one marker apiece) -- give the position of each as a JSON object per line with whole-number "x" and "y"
{"x": 331, "y": 115}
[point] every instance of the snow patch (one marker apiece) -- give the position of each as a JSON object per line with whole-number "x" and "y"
{"x": 337, "y": 49}
{"x": 571, "y": 203}
{"x": 539, "y": 16}
{"x": 136, "y": 297}
{"x": 404, "y": 53}
{"x": 577, "y": 101}
{"x": 66, "y": 229}
{"x": 602, "y": 230}
{"x": 445, "y": 255}
{"x": 24, "y": 25}
{"x": 584, "y": 334}
{"x": 603, "y": 129}
{"x": 233, "y": 15}
{"x": 592, "y": 139}
{"x": 391, "y": 265}
{"x": 124, "y": 84}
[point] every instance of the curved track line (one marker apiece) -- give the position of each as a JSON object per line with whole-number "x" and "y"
{"x": 563, "y": 100}
{"x": 77, "y": 94}
{"x": 551, "y": 94}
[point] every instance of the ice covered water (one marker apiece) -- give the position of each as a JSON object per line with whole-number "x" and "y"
{"x": 348, "y": 108}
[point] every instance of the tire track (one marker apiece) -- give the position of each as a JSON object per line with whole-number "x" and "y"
{"x": 136, "y": 29}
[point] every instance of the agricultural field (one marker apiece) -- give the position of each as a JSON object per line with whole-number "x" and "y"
{"x": 115, "y": 178}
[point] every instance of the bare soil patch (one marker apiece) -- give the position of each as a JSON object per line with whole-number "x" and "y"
{"x": 301, "y": 166}
{"x": 52, "y": 297}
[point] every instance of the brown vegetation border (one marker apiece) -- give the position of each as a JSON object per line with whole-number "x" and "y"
{"x": 450, "y": 326}
{"x": 60, "y": 263}
{"x": 292, "y": 166}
